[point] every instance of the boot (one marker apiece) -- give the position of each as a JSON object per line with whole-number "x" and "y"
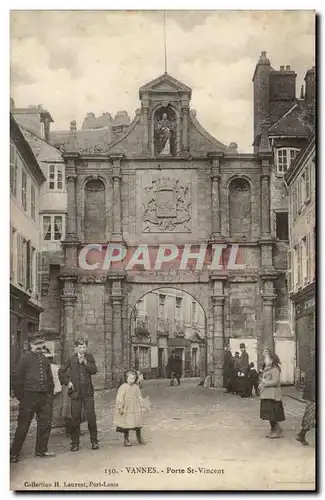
{"x": 127, "y": 441}
{"x": 139, "y": 437}
{"x": 278, "y": 433}
{"x": 301, "y": 437}
{"x": 74, "y": 447}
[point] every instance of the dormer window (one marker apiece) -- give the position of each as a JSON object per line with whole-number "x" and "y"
{"x": 55, "y": 178}
{"x": 284, "y": 157}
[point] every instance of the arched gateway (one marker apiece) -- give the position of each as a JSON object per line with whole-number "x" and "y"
{"x": 163, "y": 192}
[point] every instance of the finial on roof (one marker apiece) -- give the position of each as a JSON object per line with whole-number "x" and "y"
{"x": 73, "y": 126}
{"x": 233, "y": 146}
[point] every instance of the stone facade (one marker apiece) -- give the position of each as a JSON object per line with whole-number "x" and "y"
{"x": 201, "y": 192}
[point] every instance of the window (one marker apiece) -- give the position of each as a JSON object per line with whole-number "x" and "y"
{"x": 284, "y": 158}
{"x": 32, "y": 278}
{"x": 12, "y": 253}
{"x": 24, "y": 189}
{"x": 289, "y": 272}
{"x": 53, "y": 229}
{"x": 308, "y": 257}
{"x": 13, "y": 170}
{"x": 32, "y": 202}
{"x": 282, "y": 229}
{"x": 179, "y": 302}
{"x": 298, "y": 264}
{"x": 55, "y": 177}
{"x": 304, "y": 266}
{"x": 193, "y": 312}
{"x": 144, "y": 357}
{"x": 294, "y": 201}
{"x": 21, "y": 261}
{"x": 162, "y": 300}
{"x": 307, "y": 175}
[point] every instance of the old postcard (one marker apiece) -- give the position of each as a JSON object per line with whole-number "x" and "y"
{"x": 162, "y": 271}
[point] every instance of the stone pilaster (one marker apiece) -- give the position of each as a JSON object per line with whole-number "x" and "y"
{"x": 265, "y": 201}
{"x": 145, "y": 115}
{"x": 218, "y": 331}
{"x": 70, "y": 243}
{"x": 68, "y": 333}
{"x": 117, "y": 330}
{"x": 185, "y": 112}
{"x": 117, "y": 205}
{"x": 269, "y": 297}
{"x": 215, "y": 200}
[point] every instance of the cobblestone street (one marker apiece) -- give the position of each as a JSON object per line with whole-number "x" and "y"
{"x": 187, "y": 427}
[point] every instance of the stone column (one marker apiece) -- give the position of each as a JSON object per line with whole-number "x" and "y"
{"x": 117, "y": 208}
{"x": 117, "y": 330}
{"x": 218, "y": 340}
{"x": 145, "y": 111}
{"x": 269, "y": 296}
{"x": 215, "y": 200}
{"x": 185, "y": 111}
{"x": 218, "y": 331}
{"x": 70, "y": 243}
{"x": 68, "y": 334}
{"x": 265, "y": 200}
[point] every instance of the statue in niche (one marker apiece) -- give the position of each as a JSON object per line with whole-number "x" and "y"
{"x": 164, "y": 131}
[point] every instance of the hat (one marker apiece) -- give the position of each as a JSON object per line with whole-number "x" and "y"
{"x": 242, "y": 346}
{"x": 37, "y": 340}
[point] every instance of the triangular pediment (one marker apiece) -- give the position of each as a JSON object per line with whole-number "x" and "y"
{"x": 165, "y": 84}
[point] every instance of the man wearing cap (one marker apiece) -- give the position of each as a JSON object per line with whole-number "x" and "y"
{"x": 244, "y": 363}
{"x": 76, "y": 374}
{"x": 33, "y": 386}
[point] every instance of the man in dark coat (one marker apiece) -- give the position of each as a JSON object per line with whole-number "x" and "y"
{"x": 243, "y": 370}
{"x": 309, "y": 418}
{"x": 178, "y": 369}
{"x": 33, "y": 386}
{"x": 228, "y": 365}
{"x": 76, "y": 374}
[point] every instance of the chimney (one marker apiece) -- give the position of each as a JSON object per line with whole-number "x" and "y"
{"x": 310, "y": 80}
{"x": 283, "y": 84}
{"x": 261, "y": 92}
{"x": 12, "y": 104}
{"x": 73, "y": 127}
{"x": 302, "y": 92}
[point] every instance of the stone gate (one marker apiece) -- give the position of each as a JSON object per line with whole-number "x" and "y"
{"x": 165, "y": 180}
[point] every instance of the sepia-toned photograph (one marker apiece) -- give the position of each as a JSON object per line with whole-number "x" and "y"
{"x": 162, "y": 250}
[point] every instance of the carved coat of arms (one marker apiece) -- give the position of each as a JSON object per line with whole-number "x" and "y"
{"x": 166, "y": 206}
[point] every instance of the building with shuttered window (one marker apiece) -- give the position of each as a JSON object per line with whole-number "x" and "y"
{"x": 26, "y": 179}
{"x": 301, "y": 178}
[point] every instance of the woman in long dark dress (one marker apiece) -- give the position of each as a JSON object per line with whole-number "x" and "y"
{"x": 271, "y": 408}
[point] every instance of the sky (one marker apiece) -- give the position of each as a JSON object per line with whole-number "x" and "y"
{"x": 75, "y": 62}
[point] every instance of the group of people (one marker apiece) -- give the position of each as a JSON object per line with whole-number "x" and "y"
{"x": 239, "y": 375}
{"x": 34, "y": 386}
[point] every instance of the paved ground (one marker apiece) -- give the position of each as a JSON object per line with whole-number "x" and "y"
{"x": 196, "y": 439}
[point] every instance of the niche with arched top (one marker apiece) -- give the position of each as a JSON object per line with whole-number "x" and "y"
{"x": 165, "y": 131}
{"x": 240, "y": 212}
{"x": 95, "y": 220}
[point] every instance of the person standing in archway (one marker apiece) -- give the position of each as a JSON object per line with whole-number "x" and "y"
{"x": 227, "y": 369}
{"x": 178, "y": 368}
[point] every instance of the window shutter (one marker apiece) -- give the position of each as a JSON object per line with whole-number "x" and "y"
{"x": 289, "y": 272}
{"x": 294, "y": 202}
{"x": 308, "y": 256}
{"x": 308, "y": 183}
{"x": 29, "y": 264}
